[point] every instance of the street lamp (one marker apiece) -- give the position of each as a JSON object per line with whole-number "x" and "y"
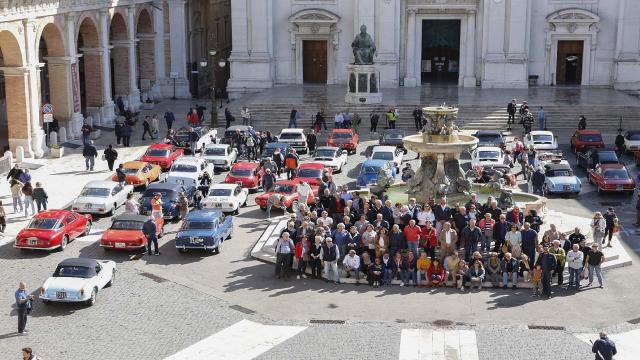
{"x": 212, "y": 95}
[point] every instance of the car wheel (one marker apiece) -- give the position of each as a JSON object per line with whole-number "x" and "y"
{"x": 93, "y": 298}
{"x": 46, "y": 302}
{"x": 106, "y": 249}
{"x": 244, "y": 203}
{"x": 113, "y": 278}
{"x": 218, "y": 248}
{"x": 87, "y": 229}
{"x": 182, "y": 251}
{"x": 64, "y": 242}
{"x": 236, "y": 211}
{"x": 263, "y": 208}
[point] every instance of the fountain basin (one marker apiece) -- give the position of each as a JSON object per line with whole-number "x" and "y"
{"x": 425, "y": 144}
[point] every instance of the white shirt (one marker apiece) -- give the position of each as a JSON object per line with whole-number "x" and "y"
{"x": 327, "y": 221}
{"x": 339, "y": 118}
{"x": 351, "y": 262}
{"x": 424, "y": 216}
{"x": 574, "y": 258}
{"x": 304, "y": 190}
{"x": 447, "y": 237}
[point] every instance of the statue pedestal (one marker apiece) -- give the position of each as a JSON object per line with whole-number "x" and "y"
{"x": 363, "y": 86}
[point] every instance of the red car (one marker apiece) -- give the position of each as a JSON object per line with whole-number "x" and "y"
{"x": 636, "y": 157}
{"x": 162, "y": 154}
{"x": 344, "y": 139}
{"x": 53, "y": 229}
{"x": 311, "y": 171}
{"x": 247, "y": 173}
{"x": 583, "y": 139}
{"x": 287, "y": 188}
{"x": 612, "y": 178}
{"x": 125, "y": 232}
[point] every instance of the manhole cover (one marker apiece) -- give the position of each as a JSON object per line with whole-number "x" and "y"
{"x": 319, "y": 321}
{"x": 546, "y": 327}
{"x": 442, "y": 323}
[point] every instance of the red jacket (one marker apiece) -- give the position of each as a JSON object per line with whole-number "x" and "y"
{"x": 412, "y": 234}
{"x": 193, "y": 119}
{"x": 298, "y": 250}
{"x": 483, "y": 222}
{"x": 433, "y": 270}
{"x": 430, "y": 238}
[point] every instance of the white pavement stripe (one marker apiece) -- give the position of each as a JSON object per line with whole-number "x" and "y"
{"x": 626, "y": 343}
{"x": 243, "y": 340}
{"x": 425, "y": 344}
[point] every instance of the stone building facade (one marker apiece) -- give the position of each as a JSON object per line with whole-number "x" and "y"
{"x": 487, "y": 43}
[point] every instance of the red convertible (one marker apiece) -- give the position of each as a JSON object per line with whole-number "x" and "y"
{"x": 247, "y": 173}
{"x": 613, "y": 178}
{"x": 53, "y": 229}
{"x": 162, "y": 154}
{"x": 288, "y": 189}
{"x": 125, "y": 232}
{"x": 345, "y": 139}
{"x": 310, "y": 172}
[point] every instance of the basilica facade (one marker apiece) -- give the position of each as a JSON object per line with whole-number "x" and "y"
{"x": 468, "y": 43}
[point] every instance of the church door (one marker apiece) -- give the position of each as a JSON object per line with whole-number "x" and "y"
{"x": 314, "y": 61}
{"x": 569, "y": 68}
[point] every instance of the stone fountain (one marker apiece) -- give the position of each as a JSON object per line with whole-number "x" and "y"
{"x": 439, "y": 145}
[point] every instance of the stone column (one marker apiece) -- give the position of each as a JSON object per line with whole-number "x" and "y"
{"x": 178, "y": 47}
{"x": 26, "y": 98}
{"x": 410, "y": 79}
{"x": 134, "y": 92}
{"x": 94, "y": 97}
{"x": 74, "y": 76}
{"x": 108, "y": 113}
{"x": 158, "y": 27}
{"x": 19, "y": 109}
{"x": 470, "y": 60}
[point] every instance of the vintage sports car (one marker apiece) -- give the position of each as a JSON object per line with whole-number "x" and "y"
{"x": 204, "y": 230}
{"x": 226, "y": 198}
{"x": 612, "y": 178}
{"x": 169, "y": 194}
{"x": 331, "y": 157}
{"x": 560, "y": 179}
{"x": 162, "y": 154}
{"x": 370, "y": 171}
{"x": 288, "y": 189}
{"x": 101, "y": 197}
{"x": 53, "y": 229}
{"x": 139, "y": 173}
{"x": 78, "y": 280}
{"x": 310, "y": 172}
{"x": 583, "y": 139}
{"x": 246, "y": 173}
{"x": 221, "y": 156}
{"x": 125, "y": 232}
{"x": 344, "y": 139}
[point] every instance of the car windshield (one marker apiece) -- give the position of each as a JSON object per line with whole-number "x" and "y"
{"x": 561, "y": 172}
{"x": 268, "y": 151}
{"x": 488, "y": 154}
{"x": 197, "y": 225}
{"x": 341, "y": 135}
{"x": 284, "y": 188}
{"x": 157, "y": 153}
{"x": 290, "y": 136}
{"x": 542, "y": 138}
{"x": 73, "y": 271}
{"x": 220, "y": 192}
{"x": 182, "y": 134}
{"x": 165, "y": 193}
{"x": 325, "y": 153}
{"x": 607, "y": 157}
{"x": 489, "y": 137}
{"x": 370, "y": 170}
{"x": 393, "y": 136}
{"x": 310, "y": 173}
{"x": 95, "y": 192}
{"x": 44, "y": 224}
{"x": 241, "y": 172}
{"x": 130, "y": 171}
{"x": 616, "y": 174}
{"x": 214, "y": 151}
{"x": 126, "y": 225}
{"x": 633, "y": 136}
{"x": 591, "y": 138}
{"x": 184, "y": 168}
{"x": 380, "y": 155}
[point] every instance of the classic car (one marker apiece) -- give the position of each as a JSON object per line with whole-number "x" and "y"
{"x": 204, "y": 230}
{"x": 487, "y": 155}
{"x": 78, "y": 280}
{"x": 231, "y": 132}
{"x": 295, "y": 138}
{"x": 139, "y": 173}
{"x": 288, "y": 189}
{"x": 125, "y": 232}
{"x": 246, "y": 173}
{"x": 636, "y": 157}
{"x": 267, "y": 153}
{"x": 583, "y": 139}
{"x": 612, "y": 178}
{"x": 632, "y": 140}
{"x": 344, "y": 139}
{"x": 226, "y": 198}
{"x": 559, "y": 179}
{"x": 489, "y": 138}
{"x": 189, "y": 167}
{"x": 540, "y": 140}
{"x": 101, "y": 197}
{"x": 222, "y": 156}
{"x": 591, "y": 158}
{"x": 204, "y": 136}
{"x": 53, "y": 229}
{"x": 331, "y": 157}
{"x": 370, "y": 171}
{"x": 388, "y": 153}
{"x": 546, "y": 157}
{"x": 311, "y": 171}
{"x": 492, "y": 172}
{"x": 169, "y": 193}
{"x": 162, "y": 154}
{"x": 393, "y": 137}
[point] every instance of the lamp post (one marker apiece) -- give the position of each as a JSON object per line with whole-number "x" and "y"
{"x": 212, "y": 94}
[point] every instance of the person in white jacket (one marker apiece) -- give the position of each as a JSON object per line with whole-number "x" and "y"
{"x": 245, "y": 114}
{"x": 574, "y": 260}
{"x": 598, "y": 225}
{"x": 304, "y": 191}
{"x": 351, "y": 263}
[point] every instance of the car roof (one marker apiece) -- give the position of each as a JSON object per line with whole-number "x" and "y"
{"x": 488, "y": 132}
{"x": 488, "y": 148}
{"x": 294, "y": 131}
{"x": 100, "y": 184}
{"x": 130, "y": 217}
{"x": 160, "y": 146}
{"x": 51, "y": 214}
{"x": 394, "y": 131}
{"x": 239, "y": 127}
{"x": 557, "y": 166}
{"x": 83, "y": 262}
{"x": 246, "y": 165}
{"x": 326, "y": 147}
{"x": 612, "y": 166}
{"x": 164, "y": 186}
{"x": 383, "y": 148}
{"x": 589, "y": 132}
{"x": 277, "y": 144}
{"x": 224, "y": 186}
{"x": 375, "y": 163}
{"x": 134, "y": 164}
{"x": 217, "y": 146}
{"x": 540, "y": 132}
{"x": 311, "y": 165}
{"x": 342, "y": 131}
{"x": 287, "y": 182}
{"x": 189, "y": 160}
{"x": 204, "y": 214}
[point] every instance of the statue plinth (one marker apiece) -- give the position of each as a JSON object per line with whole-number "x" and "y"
{"x": 363, "y": 85}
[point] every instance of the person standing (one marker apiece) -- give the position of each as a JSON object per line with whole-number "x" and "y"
{"x": 121, "y": 175}
{"x": 156, "y": 206}
{"x": 228, "y": 117}
{"x": 118, "y": 129}
{"x": 284, "y": 248}
{"x": 155, "y": 126}
{"x": 329, "y": 254}
{"x": 311, "y": 143}
{"x": 575, "y": 258}
{"x": 391, "y": 119}
{"x": 15, "y": 172}
{"x": 604, "y": 348}
{"x": 3, "y": 219}
{"x": 541, "y": 119}
{"x": 169, "y": 118}
{"x": 86, "y": 132}
{"x": 90, "y": 153}
{"x": 146, "y": 126}
{"x": 595, "y": 258}
{"x": 293, "y": 119}
{"x": 291, "y": 162}
{"x": 40, "y": 196}
{"x": 548, "y": 264}
{"x": 110, "y": 154}
{"x": 338, "y": 120}
{"x": 561, "y": 258}
{"x": 149, "y": 231}
{"x": 511, "y": 110}
{"x": 582, "y": 122}
{"x": 16, "y": 195}
{"x": 245, "y": 114}
{"x": 268, "y": 180}
{"x": 251, "y": 147}
{"x": 183, "y": 205}
{"x": 25, "y": 177}
{"x": 131, "y": 206}
{"x": 373, "y": 119}
{"x": 417, "y": 117}
{"x": 127, "y": 130}
{"x": 598, "y": 226}
{"x": 27, "y": 190}
{"x": 611, "y": 222}
{"x": 529, "y": 239}
{"x": 23, "y": 305}
{"x": 304, "y": 191}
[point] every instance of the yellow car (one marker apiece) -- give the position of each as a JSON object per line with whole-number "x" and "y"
{"x": 139, "y": 173}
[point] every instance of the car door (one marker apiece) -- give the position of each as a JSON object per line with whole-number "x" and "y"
{"x": 73, "y": 226}
{"x": 240, "y": 195}
{"x": 120, "y": 194}
{"x": 103, "y": 277}
{"x": 225, "y": 226}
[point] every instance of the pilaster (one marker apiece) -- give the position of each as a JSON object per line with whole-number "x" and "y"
{"x": 469, "y": 79}
{"x": 158, "y": 26}
{"x": 410, "y": 79}
{"x": 134, "y": 92}
{"x": 178, "y": 48}
{"x": 108, "y": 107}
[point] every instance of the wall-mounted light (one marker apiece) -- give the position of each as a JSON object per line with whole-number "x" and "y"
{"x": 213, "y": 52}
{"x": 203, "y": 63}
{"x": 222, "y": 63}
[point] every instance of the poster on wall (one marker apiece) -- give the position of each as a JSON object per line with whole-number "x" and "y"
{"x": 75, "y": 83}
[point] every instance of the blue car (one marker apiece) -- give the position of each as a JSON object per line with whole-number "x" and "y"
{"x": 267, "y": 153}
{"x": 169, "y": 194}
{"x": 204, "y": 230}
{"x": 559, "y": 179}
{"x": 370, "y": 170}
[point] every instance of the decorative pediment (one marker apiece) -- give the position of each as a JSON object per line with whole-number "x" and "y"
{"x": 573, "y": 15}
{"x": 314, "y": 16}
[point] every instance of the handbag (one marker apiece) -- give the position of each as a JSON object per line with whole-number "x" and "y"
{"x": 585, "y": 272}
{"x": 104, "y": 157}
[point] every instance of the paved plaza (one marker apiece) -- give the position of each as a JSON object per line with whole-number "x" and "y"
{"x": 230, "y": 306}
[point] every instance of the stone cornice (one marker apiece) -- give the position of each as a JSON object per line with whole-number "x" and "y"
{"x": 29, "y": 9}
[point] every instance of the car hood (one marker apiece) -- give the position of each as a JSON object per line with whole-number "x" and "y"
{"x": 153, "y": 158}
{"x": 560, "y": 180}
{"x": 340, "y": 141}
{"x": 65, "y": 283}
{"x": 90, "y": 200}
{"x": 114, "y": 235}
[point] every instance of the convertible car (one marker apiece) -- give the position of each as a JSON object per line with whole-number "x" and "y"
{"x": 53, "y": 229}
{"x": 559, "y": 179}
{"x": 288, "y": 189}
{"x": 78, "y": 280}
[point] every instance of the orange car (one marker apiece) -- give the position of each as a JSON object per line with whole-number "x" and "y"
{"x": 139, "y": 173}
{"x": 345, "y": 139}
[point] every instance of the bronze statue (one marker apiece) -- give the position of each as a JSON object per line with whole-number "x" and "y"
{"x": 363, "y": 48}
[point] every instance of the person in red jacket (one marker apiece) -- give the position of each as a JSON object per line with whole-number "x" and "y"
{"x": 428, "y": 240}
{"x": 302, "y": 255}
{"x": 436, "y": 274}
{"x": 486, "y": 226}
{"x": 412, "y": 235}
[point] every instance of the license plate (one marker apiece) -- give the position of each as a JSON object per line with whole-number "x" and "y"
{"x": 88, "y": 206}
{"x": 120, "y": 245}
{"x": 217, "y": 205}
{"x": 33, "y": 241}
{"x": 567, "y": 187}
{"x": 195, "y": 240}
{"x": 61, "y": 295}
{"x": 619, "y": 187}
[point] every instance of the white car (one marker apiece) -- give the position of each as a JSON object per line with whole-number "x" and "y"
{"x": 188, "y": 168}
{"x": 78, "y": 280}
{"x": 226, "y": 198}
{"x": 541, "y": 140}
{"x": 632, "y": 140}
{"x": 331, "y": 157}
{"x": 295, "y": 138}
{"x": 101, "y": 197}
{"x": 220, "y": 155}
{"x": 487, "y": 155}
{"x": 547, "y": 157}
{"x": 389, "y": 153}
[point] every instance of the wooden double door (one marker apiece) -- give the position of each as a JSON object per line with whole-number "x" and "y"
{"x": 569, "y": 65}
{"x": 314, "y": 61}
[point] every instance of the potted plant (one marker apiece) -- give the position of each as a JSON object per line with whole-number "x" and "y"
{"x": 57, "y": 151}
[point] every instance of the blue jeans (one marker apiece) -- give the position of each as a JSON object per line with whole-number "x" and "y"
{"x": 485, "y": 243}
{"x": 387, "y": 276}
{"x": 331, "y": 266}
{"x": 574, "y": 277}
{"x": 413, "y": 246}
{"x": 597, "y": 270}
{"x": 28, "y": 201}
{"x": 407, "y": 276}
{"x": 85, "y": 139}
{"x": 89, "y": 162}
{"x": 293, "y": 123}
{"x": 505, "y": 278}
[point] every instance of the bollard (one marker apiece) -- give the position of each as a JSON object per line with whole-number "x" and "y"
{"x": 19, "y": 154}
{"x": 53, "y": 138}
{"x": 62, "y": 135}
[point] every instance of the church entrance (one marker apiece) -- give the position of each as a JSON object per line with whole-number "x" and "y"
{"x": 440, "y": 60}
{"x": 314, "y": 61}
{"x": 569, "y": 65}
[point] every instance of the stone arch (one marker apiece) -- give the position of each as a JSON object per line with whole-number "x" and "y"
{"x": 89, "y": 65}
{"x": 55, "y": 75}
{"x": 14, "y": 108}
{"x": 145, "y": 51}
{"x": 119, "y": 39}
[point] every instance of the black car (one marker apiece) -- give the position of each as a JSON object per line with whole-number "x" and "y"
{"x": 230, "y": 133}
{"x": 393, "y": 137}
{"x": 489, "y": 138}
{"x": 593, "y": 157}
{"x": 182, "y": 138}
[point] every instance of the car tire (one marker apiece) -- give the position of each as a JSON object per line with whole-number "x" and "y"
{"x": 94, "y": 297}
{"x": 87, "y": 228}
{"x": 263, "y": 208}
{"x": 106, "y": 249}
{"x": 113, "y": 278}
{"x": 236, "y": 211}
{"x": 182, "y": 251}
{"x": 46, "y": 302}
{"x": 217, "y": 250}
{"x": 64, "y": 242}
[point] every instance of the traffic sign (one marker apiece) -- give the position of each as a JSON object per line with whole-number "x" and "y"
{"x": 47, "y": 118}
{"x": 47, "y": 109}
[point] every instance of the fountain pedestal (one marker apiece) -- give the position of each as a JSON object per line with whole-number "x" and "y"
{"x": 363, "y": 85}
